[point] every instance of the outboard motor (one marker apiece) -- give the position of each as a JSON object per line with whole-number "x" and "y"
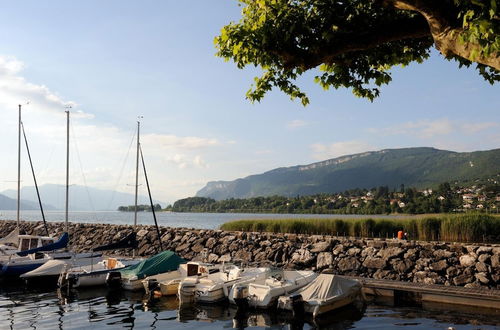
{"x": 297, "y": 305}
{"x": 114, "y": 280}
{"x": 153, "y": 285}
{"x": 72, "y": 280}
{"x": 240, "y": 296}
{"x": 186, "y": 291}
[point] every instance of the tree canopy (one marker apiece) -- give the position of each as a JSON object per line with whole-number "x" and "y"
{"x": 354, "y": 43}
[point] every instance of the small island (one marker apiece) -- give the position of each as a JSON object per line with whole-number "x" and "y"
{"x": 140, "y": 208}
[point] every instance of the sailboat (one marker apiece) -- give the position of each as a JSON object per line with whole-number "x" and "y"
{"x": 96, "y": 274}
{"x": 54, "y": 264}
{"x": 22, "y": 253}
{"x": 131, "y": 278}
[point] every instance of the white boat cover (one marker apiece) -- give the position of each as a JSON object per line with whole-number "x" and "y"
{"x": 12, "y": 238}
{"x": 55, "y": 267}
{"x": 326, "y": 286}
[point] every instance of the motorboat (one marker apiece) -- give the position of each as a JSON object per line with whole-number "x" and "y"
{"x": 131, "y": 277}
{"x": 52, "y": 269}
{"x": 265, "y": 295}
{"x": 75, "y": 276}
{"x": 92, "y": 275}
{"x": 167, "y": 284}
{"x": 215, "y": 287}
{"x": 326, "y": 293}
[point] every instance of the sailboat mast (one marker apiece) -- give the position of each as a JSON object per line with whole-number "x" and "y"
{"x": 137, "y": 172}
{"x": 67, "y": 171}
{"x": 19, "y": 169}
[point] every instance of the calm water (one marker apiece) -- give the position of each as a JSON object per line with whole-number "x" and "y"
{"x": 21, "y": 308}
{"x": 190, "y": 220}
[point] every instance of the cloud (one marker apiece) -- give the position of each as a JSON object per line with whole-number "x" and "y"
{"x": 296, "y": 124}
{"x": 172, "y": 141}
{"x": 15, "y": 89}
{"x": 337, "y": 149}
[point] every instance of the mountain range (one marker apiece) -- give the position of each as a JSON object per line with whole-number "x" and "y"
{"x": 413, "y": 167}
{"x": 81, "y": 198}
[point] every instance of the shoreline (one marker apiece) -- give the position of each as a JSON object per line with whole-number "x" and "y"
{"x": 455, "y": 264}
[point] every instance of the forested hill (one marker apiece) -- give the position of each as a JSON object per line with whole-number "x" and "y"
{"x": 415, "y": 167}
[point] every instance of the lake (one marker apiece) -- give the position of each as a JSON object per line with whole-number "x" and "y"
{"x": 23, "y": 308}
{"x": 169, "y": 219}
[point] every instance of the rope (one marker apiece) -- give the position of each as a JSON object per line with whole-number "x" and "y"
{"x": 83, "y": 174}
{"x": 125, "y": 161}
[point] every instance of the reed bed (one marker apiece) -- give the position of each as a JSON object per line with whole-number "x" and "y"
{"x": 475, "y": 227}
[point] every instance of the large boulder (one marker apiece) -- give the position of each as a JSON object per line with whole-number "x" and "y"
{"x": 347, "y": 264}
{"x": 376, "y": 263}
{"x": 468, "y": 260}
{"x": 324, "y": 260}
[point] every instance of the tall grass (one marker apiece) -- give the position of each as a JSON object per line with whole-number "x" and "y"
{"x": 473, "y": 227}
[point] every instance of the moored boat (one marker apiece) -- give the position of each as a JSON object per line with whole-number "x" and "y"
{"x": 326, "y": 293}
{"x": 131, "y": 277}
{"x": 215, "y": 287}
{"x": 167, "y": 284}
{"x": 265, "y": 295}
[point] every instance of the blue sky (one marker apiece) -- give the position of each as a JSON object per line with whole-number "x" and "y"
{"x": 115, "y": 60}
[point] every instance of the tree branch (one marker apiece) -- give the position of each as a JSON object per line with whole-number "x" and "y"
{"x": 446, "y": 30}
{"x": 402, "y": 29}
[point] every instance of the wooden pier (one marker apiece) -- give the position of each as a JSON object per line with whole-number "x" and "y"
{"x": 418, "y": 293}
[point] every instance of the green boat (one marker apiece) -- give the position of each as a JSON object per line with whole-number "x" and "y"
{"x": 130, "y": 278}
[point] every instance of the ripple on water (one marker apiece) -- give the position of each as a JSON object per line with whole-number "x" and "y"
{"x": 21, "y": 308}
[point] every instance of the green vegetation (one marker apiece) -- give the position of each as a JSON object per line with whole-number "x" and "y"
{"x": 353, "y": 44}
{"x": 478, "y": 195}
{"x": 140, "y": 208}
{"x": 472, "y": 227}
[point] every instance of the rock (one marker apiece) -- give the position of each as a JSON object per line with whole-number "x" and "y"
{"x": 371, "y": 262}
{"x": 382, "y": 274}
{"x": 210, "y": 243}
{"x": 182, "y": 247}
{"x": 484, "y": 249}
{"x": 320, "y": 247}
{"x": 141, "y": 233}
{"x": 369, "y": 251}
{"x": 411, "y": 254}
{"x": 212, "y": 257}
{"x": 451, "y": 271}
{"x": 392, "y": 252}
{"x": 441, "y": 254}
{"x": 482, "y": 277}
{"x": 339, "y": 248}
{"x": 302, "y": 256}
{"x": 401, "y": 266}
{"x": 481, "y": 267}
{"x": 468, "y": 260}
{"x": 324, "y": 260}
{"x": 224, "y": 258}
{"x": 197, "y": 248}
{"x": 347, "y": 264}
{"x": 353, "y": 251}
{"x": 495, "y": 261}
{"x": 463, "y": 279}
{"x": 484, "y": 258}
{"x": 439, "y": 266}
{"x": 243, "y": 255}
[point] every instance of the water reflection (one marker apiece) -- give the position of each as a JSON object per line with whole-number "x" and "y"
{"x": 22, "y": 308}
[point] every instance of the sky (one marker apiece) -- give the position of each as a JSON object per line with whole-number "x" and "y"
{"x": 115, "y": 60}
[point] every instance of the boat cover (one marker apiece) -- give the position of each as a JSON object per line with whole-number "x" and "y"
{"x": 129, "y": 242}
{"x": 61, "y": 243}
{"x": 12, "y": 238}
{"x": 163, "y": 262}
{"x": 327, "y": 286}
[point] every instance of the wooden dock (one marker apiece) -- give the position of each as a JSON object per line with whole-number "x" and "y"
{"x": 418, "y": 293}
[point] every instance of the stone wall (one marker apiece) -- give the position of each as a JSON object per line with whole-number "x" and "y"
{"x": 429, "y": 262}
